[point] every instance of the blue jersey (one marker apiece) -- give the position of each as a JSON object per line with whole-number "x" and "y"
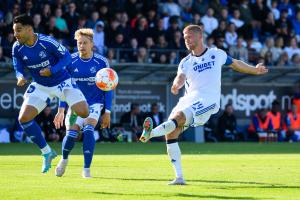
{"x": 83, "y": 72}
{"x": 46, "y": 52}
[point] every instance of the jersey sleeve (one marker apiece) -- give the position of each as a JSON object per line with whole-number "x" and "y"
{"x": 108, "y": 100}
{"x": 17, "y": 62}
{"x": 182, "y": 67}
{"x": 226, "y": 59}
{"x": 61, "y": 53}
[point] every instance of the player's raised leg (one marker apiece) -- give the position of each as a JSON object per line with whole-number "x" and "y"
{"x": 31, "y": 128}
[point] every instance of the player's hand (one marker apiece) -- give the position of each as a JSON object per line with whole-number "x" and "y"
{"x": 45, "y": 72}
{"x": 21, "y": 81}
{"x": 59, "y": 120}
{"x": 105, "y": 120}
{"x": 261, "y": 69}
{"x": 174, "y": 89}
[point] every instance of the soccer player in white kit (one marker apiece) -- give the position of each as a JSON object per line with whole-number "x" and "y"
{"x": 200, "y": 73}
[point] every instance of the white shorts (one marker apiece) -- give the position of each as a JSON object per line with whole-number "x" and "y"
{"x": 196, "y": 110}
{"x": 95, "y": 113}
{"x": 39, "y": 96}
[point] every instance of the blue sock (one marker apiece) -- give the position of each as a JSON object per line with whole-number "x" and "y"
{"x": 68, "y": 143}
{"x": 88, "y": 144}
{"x": 33, "y": 130}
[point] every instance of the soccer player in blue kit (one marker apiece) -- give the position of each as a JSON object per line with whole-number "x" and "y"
{"x": 46, "y": 60}
{"x": 83, "y": 68}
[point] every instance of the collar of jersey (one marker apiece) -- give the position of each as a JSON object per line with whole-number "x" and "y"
{"x": 201, "y": 53}
{"x": 84, "y": 60}
{"x": 37, "y": 39}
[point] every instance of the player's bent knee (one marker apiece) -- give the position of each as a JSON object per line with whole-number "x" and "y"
{"x": 180, "y": 118}
{"x": 81, "y": 109}
{"x": 173, "y": 135}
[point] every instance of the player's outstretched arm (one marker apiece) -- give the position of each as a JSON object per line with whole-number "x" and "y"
{"x": 178, "y": 83}
{"x": 243, "y": 67}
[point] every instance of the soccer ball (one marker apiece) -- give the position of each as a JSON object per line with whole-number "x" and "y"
{"x": 106, "y": 79}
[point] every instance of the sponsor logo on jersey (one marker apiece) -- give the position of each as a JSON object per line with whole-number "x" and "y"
{"x": 204, "y": 66}
{"x": 90, "y": 79}
{"x": 42, "y": 64}
{"x": 42, "y": 54}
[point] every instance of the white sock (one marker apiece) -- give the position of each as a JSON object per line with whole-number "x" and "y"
{"x": 175, "y": 157}
{"x": 164, "y": 129}
{"x": 46, "y": 149}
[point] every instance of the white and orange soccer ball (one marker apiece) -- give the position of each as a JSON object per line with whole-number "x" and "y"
{"x": 106, "y": 79}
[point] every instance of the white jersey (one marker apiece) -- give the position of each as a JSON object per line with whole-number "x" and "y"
{"x": 203, "y": 75}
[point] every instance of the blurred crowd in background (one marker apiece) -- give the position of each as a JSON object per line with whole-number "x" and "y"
{"x": 151, "y": 31}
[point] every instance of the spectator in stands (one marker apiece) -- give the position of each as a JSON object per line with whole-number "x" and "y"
{"x": 15, "y": 11}
{"x": 276, "y": 119}
{"x": 292, "y": 48}
{"x": 259, "y": 12}
{"x": 104, "y": 13}
{"x": 157, "y": 118}
{"x": 196, "y": 19}
{"x": 158, "y": 29}
{"x": 245, "y": 11}
{"x": 60, "y": 22}
{"x": 209, "y": 21}
{"x": 132, "y": 121}
{"x": 295, "y": 60}
{"x": 283, "y": 60}
{"x": 71, "y": 18}
{"x": 274, "y": 9}
{"x": 286, "y": 5}
{"x": 28, "y": 8}
{"x": 231, "y": 36}
{"x": 131, "y": 54}
{"x": 210, "y": 42}
{"x": 220, "y": 31}
{"x": 171, "y": 8}
{"x": 2, "y": 57}
{"x": 174, "y": 27}
{"x": 278, "y": 49}
{"x": 111, "y": 57}
{"x": 124, "y": 27}
{"x": 52, "y": 30}
{"x": 200, "y": 6}
{"x": 224, "y": 16}
{"x": 210, "y": 129}
{"x": 292, "y": 123}
{"x": 112, "y": 29}
{"x": 227, "y": 125}
{"x": 269, "y": 50}
{"x": 268, "y": 28}
{"x": 37, "y": 26}
{"x": 283, "y": 21}
{"x": 236, "y": 19}
{"x": 99, "y": 37}
{"x": 141, "y": 56}
{"x": 141, "y": 31}
{"x": 173, "y": 58}
{"x": 7, "y": 44}
{"x": 239, "y": 51}
{"x": 261, "y": 126}
{"x": 296, "y": 23}
{"x": 45, "y": 120}
{"x": 46, "y": 13}
{"x": 176, "y": 41}
{"x": 91, "y": 23}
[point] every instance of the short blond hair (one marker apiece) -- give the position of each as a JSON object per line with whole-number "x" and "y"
{"x": 193, "y": 28}
{"x": 87, "y": 32}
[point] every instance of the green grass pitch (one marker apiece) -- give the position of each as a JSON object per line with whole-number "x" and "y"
{"x": 140, "y": 171}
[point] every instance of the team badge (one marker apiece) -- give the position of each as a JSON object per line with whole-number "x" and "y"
{"x": 93, "y": 69}
{"x": 42, "y": 54}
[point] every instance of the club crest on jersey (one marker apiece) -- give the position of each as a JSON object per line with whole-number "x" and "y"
{"x": 93, "y": 70}
{"x": 42, "y": 54}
